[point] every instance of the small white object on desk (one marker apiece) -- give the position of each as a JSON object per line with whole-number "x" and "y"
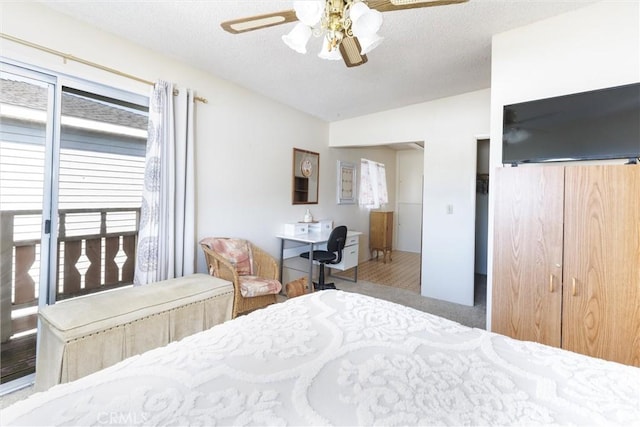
{"x": 308, "y": 217}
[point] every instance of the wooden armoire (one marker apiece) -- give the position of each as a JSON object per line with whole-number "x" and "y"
{"x": 381, "y": 233}
{"x": 566, "y": 266}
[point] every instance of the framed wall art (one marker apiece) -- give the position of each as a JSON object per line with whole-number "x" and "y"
{"x": 346, "y": 183}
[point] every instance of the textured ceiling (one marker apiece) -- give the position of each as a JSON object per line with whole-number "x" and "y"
{"x": 427, "y": 53}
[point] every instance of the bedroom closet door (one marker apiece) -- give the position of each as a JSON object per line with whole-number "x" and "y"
{"x": 601, "y": 305}
{"x": 567, "y": 258}
{"x": 527, "y": 261}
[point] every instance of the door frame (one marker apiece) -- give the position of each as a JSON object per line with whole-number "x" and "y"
{"x": 53, "y": 129}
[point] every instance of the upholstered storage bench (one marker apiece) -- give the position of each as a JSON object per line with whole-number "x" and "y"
{"x": 86, "y": 334}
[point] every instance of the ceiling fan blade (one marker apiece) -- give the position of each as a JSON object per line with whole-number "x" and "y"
{"x": 390, "y": 5}
{"x": 257, "y": 22}
{"x": 350, "y": 51}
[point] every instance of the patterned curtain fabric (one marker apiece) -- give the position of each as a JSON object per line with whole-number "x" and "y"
{"x": 166, "y": 238}
{"x": 373, "y": 184}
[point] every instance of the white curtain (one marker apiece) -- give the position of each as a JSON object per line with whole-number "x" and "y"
{"x": 373, "y": 184}
{"x": 166, "y": 237}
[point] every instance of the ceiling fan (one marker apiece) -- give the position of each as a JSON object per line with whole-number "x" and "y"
{"x": 349, "y": 27}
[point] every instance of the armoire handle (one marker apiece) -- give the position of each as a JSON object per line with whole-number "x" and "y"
{"x": 551, "y": 283}
{"x": 574, "y": 291}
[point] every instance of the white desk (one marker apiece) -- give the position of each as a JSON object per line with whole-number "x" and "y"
{"x": 314, "y": 240}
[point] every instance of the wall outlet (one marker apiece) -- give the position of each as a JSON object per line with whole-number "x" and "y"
{"x": 449, "y": 209}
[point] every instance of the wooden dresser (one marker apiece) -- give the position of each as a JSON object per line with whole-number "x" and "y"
{"x": 381, "y": 233}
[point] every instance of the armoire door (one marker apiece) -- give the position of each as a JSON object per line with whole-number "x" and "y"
{"x": 601, "y": 307}
{"x": 527, "y": 263}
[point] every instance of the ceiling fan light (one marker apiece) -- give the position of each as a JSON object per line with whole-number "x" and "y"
{"x": 367, "y": 24}
{"x": 367, "y": 44}
{"x": 309, "y": 12}
{"x": 357, "y": 10}
{"x": 298, "y": 37}
{"x": 325, "y": 53}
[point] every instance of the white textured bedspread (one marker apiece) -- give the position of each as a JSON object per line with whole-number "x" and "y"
{"x": 334, "y": 358}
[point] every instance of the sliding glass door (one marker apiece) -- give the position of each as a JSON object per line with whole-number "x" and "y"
{"x": 27, "y": 107}
{"x": 71, "y": 175}
{"x": 99, "y": 192}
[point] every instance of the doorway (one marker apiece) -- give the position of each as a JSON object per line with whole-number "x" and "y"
{"x": 482, "y": 220}
{"x": 404, "y": 271}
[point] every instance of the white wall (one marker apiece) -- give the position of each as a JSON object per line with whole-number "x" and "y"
{"x": 591, "y": 48}
{"x": 244, "y": 141}
{"x": 449, "y": 127}
{"x": 408, "y": 216}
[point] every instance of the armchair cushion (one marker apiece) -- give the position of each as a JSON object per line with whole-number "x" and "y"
{"x": 254, "y": 286}
{"x": 236, "y": 251}
{"x": 258, "y": 287}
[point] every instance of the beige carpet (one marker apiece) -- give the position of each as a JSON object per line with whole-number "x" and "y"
{"x": 474, "y": 317}
{"x": 11, "y": 398}
{"x": 399, "y": 281}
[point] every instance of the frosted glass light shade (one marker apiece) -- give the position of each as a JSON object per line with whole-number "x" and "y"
{"x": 333, "y": 55}
{"x": 298, "y": 37}
{"x": 309, "y": 12}
{"x": 367, "y": 44}
{"x": 365, "y": 23}
{"x": 357, "y": 10}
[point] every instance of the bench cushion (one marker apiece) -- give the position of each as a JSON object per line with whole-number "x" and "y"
{"x": 85, "y": 334}
{"x": 107, "y": 309}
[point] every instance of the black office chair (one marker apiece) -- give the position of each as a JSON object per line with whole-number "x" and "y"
{"x": 333, "y": 255}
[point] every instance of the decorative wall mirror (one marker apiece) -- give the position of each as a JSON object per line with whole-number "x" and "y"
{"x": 306, "y": 170}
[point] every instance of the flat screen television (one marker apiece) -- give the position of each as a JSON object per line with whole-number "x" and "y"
{"x": 600, "y": 124}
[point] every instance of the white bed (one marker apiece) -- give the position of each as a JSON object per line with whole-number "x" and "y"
{"x": 335, "y": 358}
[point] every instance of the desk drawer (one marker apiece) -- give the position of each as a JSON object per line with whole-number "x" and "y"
{"x": 294, "y": 229}
{"x": 349, "y": 258}
{"x": 351, "y": 240}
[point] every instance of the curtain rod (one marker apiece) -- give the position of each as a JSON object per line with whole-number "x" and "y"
{"x": 70, "y": 57}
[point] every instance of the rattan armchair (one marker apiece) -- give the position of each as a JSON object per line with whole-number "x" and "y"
{"x": 264, "y": 266}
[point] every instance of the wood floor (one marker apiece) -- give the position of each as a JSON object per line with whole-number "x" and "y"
{"x": 17, "y": 358}
{"x": 402, "y": 272}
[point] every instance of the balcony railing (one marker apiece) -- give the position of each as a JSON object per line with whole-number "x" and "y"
{"x": 95, "y": 252}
